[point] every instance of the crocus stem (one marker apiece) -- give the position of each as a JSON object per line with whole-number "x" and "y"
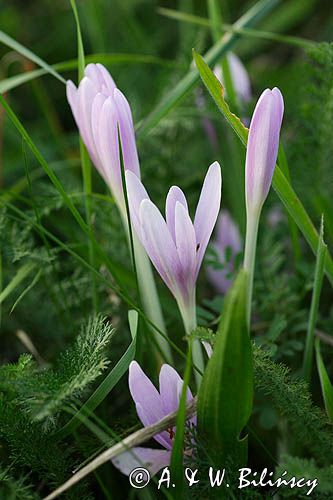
{"x": 252, "y": 223}
{"x": 189, "y": 317}
{"x": 149, "y": 296}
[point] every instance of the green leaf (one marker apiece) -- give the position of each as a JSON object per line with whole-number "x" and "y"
{"x": 226, "y": 392}
{"x": 280, "y": 183}
{"x": 317, "y": 286}
{"x": 13, "y": 44}
{"x": 176, "y": 94}
{"x": 108, "y": 383}
{"x": 326, "y": 385}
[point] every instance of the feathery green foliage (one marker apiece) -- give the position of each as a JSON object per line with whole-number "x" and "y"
{"x": 293, "y": 401}
{"x": 43, "y": 392}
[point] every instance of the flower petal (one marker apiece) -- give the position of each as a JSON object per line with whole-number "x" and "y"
{"x": 262, "y": 147}
{"x": 127, "y": 135}
{"x": 186, "y": 245}
{"x": 136, "y": 192}
{"x": 106, "y": 133}
{"x": 170, "y": 389}
{"x": 175, "y": 194}
{"x": 151, "y": 459}
{"x": 72, "y": 98}
{"x": 101, "y": 78}
{"x": 96, "y": 112}
{"x": 207, "y": 210}
{"x": 86, "y": 95}
{"x": 106, "y": 79}
{"x": 159, "y": 245}
{"x": 147, "y": 400}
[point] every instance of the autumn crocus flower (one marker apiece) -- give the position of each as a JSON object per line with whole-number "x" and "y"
{"x": 227, "y": 246}
{"x": 175, "y": 245}
{"x": 261, "y": 156}
{"x": 100, "y": 111}
{"x": 104, "y": 119}
{"x": 151, "y": 406}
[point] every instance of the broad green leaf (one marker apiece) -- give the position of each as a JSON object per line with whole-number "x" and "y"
{"x": 108, "y": 383}
{"x": 326, "y": 385}
{"x": 226, "y": 392}
{"x": 280, "y": 184}
{"x": 317, "y": 286}
{"x": 20, "y": 276}
{"x": 219, "y": 49}
{"x": 13, "y": 44}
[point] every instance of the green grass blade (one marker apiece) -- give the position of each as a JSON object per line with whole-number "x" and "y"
{"x": 244, "y": 32}
{"x": 317, "y": 286}
{"x": 20, "y": 276}
{"x": 114, "y": 59}
{"x": 176, "y": 462}
{"x": 108, "y": 383}
{"x": 216, "y": 24}
{"x": 326, "y": 385}
{"x": 26, "y": 290}
{"x": 280, "y": 184}
{"x": 257, "y": 12}
{"x": 80, "y": 49}
{"x": 13, "y": 44}
{"x": 15, "y": 81}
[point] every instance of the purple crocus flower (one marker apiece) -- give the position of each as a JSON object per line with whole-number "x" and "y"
{"x": 261, "y": 155}
{"x": 100, "y": 111}
{"x": 227, "y": 239}
{"x": 104, "y": 118}
{"x": 262, "y": 147}
{"x": 151, "y": 406}
{"x": 176, "y": 246}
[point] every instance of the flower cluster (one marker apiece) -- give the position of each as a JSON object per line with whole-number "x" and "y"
{"x": 174, "y": 244}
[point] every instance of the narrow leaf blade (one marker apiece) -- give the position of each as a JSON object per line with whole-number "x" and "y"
{"x": 326, "y": 385}
{"x": 281, "y": 185}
